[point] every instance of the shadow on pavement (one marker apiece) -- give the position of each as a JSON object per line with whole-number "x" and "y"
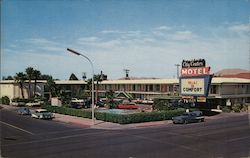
{"x": 209, "y": 113}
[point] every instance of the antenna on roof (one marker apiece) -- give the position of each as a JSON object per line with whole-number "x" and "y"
{"x": 126, "y": 73}
{"x": 84, "y": 75}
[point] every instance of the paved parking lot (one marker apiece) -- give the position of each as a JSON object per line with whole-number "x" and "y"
{"x": 225, "y": 136}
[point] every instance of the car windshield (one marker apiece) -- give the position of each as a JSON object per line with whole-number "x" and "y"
{"x": 23, "y": 109}
{"x": 42, "y": 111}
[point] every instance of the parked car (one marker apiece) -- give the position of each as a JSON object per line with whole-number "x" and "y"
{"x": 24, "y": 111}
{"x": 100, "y": 103}
{"x": 189, "y": 117}
{"x": 128, "y": 105}
{"x": 42, "y": 114}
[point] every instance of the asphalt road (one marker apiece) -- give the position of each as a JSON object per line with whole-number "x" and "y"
{"x": 24, "y": 137}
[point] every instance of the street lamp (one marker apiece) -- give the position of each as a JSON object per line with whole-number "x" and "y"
{"x": 92, "y": 67}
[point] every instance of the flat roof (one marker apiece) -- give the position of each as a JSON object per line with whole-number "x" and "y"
{"x": 215, "y": 80}
{"x": 71, "y": 82}
{"x": 142, "y": 81}
{"x": 219, "y": 80}
{"x": 26, "y": 81}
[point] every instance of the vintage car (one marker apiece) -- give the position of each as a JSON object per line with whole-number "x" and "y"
{"x": 189, "y": 117}
{"x": 24, "y": 111}
{"x": 127, "y": 105}
{"x": 77, "y": 103}
{"x": 42, "y": 114}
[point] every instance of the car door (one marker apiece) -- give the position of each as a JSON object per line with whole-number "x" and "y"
{"x": 193, "y": 117}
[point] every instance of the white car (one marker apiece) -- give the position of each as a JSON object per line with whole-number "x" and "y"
{"x": 42, "y": 114}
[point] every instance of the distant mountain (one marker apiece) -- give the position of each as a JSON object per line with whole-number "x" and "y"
{"x": 237, "y": 73}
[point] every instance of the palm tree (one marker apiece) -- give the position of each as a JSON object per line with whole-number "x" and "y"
{"x": 51, "y": 87}
{"x": 99, "y": 78}
{"x": 29, "y": 72}
{"x": 36, "y": 75}
{"x": 20, "y": 78}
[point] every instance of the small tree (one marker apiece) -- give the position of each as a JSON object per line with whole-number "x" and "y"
{"x": 53, "y": 89}
{"x": 110, "y": 95}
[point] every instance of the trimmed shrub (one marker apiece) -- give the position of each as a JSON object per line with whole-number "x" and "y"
{"x": 226, "y": 109}
{"x": 162, "y": 104}
{"x": 118, "y": 118}
{"x": 236, "y": 107}
{"x": 31, "y": 100}
{"x": 68, "y": 111}
{"x": 245, "y": 107}
{"x": 5, "y": 100}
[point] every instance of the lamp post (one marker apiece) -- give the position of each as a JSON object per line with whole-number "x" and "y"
{"x": 92, "y": 67}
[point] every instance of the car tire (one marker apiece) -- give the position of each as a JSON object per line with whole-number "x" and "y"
{"x": 185, "y": 122}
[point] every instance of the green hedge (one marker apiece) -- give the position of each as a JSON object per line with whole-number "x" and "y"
{"x": 163, "y": 104}
{"x": 118, "y": 118}
{"x": 5, "y": 100}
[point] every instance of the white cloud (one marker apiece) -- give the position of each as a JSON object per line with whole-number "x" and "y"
{"x": 108, "y": 44}
{"x": 44, "y": 44}
{"x": 41, "y": 41}
{"x": 161, "y": 30}
{"x": 142, "y": 52}
{"x": 240, "y": 28}
{"x": 166, "y": 28}
{"x": 183, "y": 35}
{"x": 88, "y": 39}
{"x": 111, "y": 32}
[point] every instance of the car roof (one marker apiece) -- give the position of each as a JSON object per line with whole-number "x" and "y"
{"x": 41, "y": 110}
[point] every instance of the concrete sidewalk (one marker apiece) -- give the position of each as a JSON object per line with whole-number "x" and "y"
{"x": 85, "y": 122}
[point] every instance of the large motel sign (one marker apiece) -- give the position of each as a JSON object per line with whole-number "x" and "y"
{"x": 195, "y": 79}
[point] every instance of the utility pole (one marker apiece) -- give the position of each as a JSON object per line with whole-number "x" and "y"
{"x": 177, "y": 73}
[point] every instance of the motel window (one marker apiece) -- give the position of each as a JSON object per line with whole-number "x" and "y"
{"x": 157, "y": 87}
{"x": 213, "y": 89}
{"x": 164, "y": 88}
{"x": 138, "y": 87}
{"x": 171, "y": 88}
{"x": 142, "y": 88}
{"x": 151, "y": 88}
{"x": 147, "y": 88}
{"x": 133, "y": 87}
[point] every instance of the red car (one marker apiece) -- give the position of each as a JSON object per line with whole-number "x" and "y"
{"x": 127, "y": 106}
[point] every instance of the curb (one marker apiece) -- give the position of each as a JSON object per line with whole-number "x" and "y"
{"x": 154, "y": 124}
{"x": 71, "y": 123}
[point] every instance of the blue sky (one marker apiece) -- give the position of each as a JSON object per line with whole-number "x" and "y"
{"x": 145, "y": 36}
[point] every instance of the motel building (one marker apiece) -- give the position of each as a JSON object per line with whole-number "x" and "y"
{"x": 223, "y": 91}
